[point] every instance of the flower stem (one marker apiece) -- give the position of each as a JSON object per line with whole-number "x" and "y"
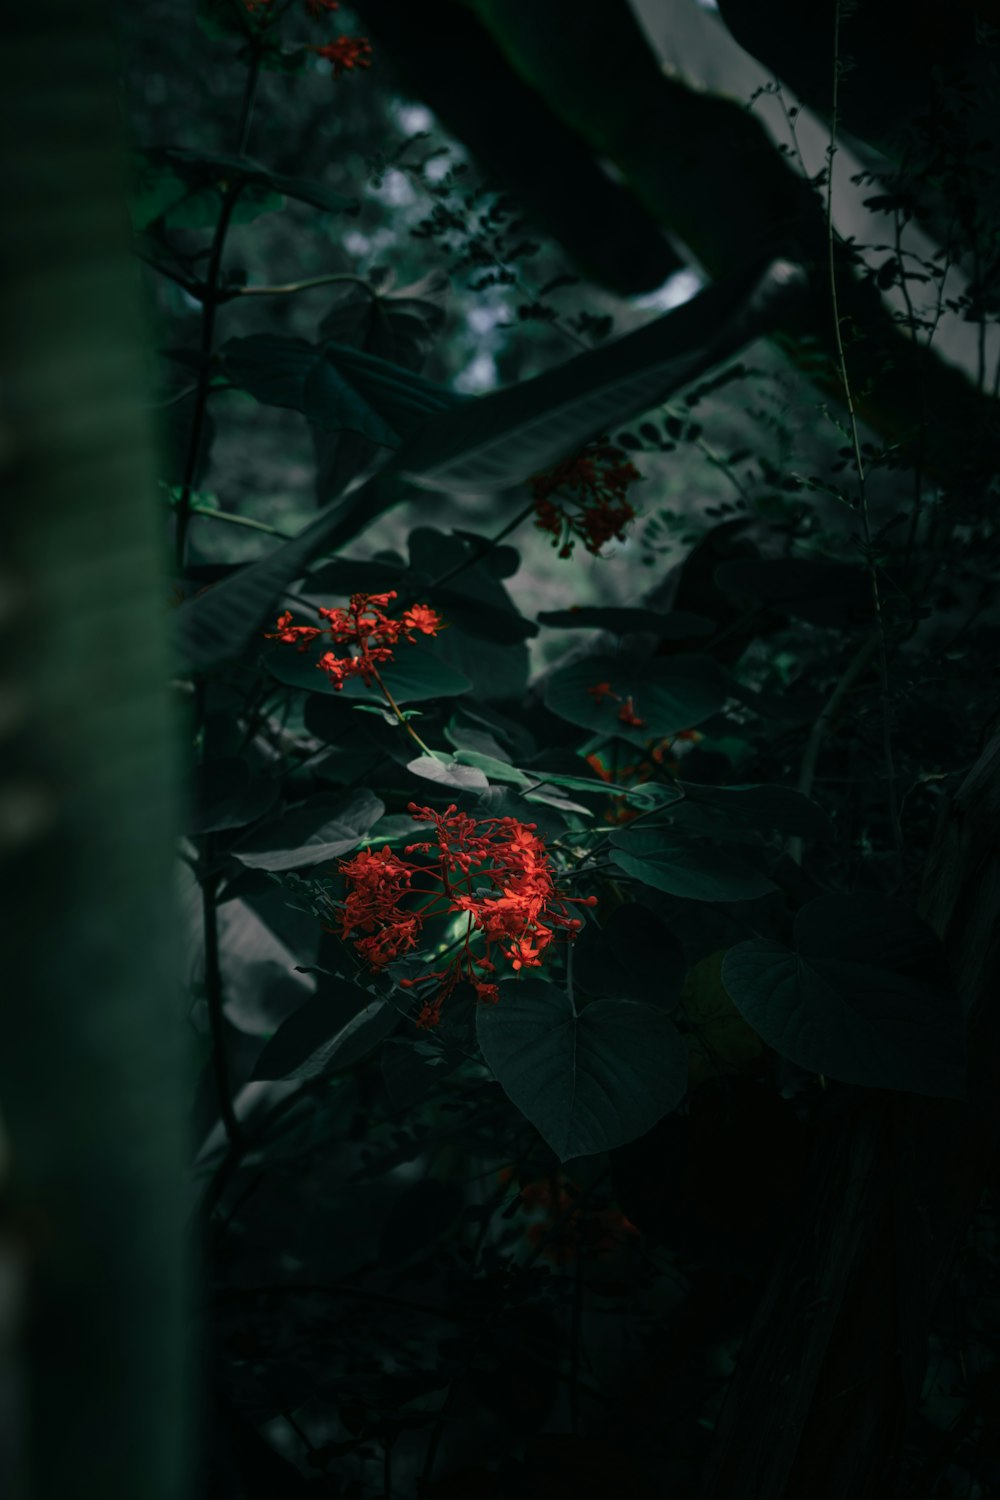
{"x": 401, "y": 716}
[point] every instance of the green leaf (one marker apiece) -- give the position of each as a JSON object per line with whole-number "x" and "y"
{"x": 676, "y": 625}
{"x": 322, "y": 830}
{"x": 330, "y": 1032}
{"x": 587, "y": 1082}
{"x": 861, "y": 997}
{"x": 282, "y": 371}
{"x": 633, "y": 956}
{"x": 227, "y": 796}
{"x": 448, "y": 772}
{"x": 697, "y": 874}
{"x": 413, "y": 676}
{"x": 667, "y": 695}
{"x": 501, "y": 439}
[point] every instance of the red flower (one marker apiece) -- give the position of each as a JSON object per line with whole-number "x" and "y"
{"x": 364, "y": 627}
{"x": 496, "y": 871}
{"x": 598, "y": 692}
{"x": 585, "y": 497}
{"x": 301, "y": 636}
{"x": 628, "y": 715}
{"x": 346, "y": 54}
{"x": 317, "y": 8}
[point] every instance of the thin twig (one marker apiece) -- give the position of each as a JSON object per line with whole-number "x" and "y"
{"x": 858, "y": 458}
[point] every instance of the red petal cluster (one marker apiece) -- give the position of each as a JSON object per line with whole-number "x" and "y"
{"x": 495, "y": 870}
{"x": 626, "y": 712}
{"x": 586, "y": 497}
{"x": 364, "y": 628}
{"x": 346, "y": 54}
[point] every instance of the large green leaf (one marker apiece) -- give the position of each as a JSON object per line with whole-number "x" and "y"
{"x": 329, "y": 1032}
{"x": 861, "y": 996}
{"x": 588, "y": 1081}
{"x": 669, "y": 695}
{"x": 215, "y": 173}
{"x": 413, "y": 676}
{"x": 489, "y": 446}
{"x": 500, "y": 440}
{"x": 323, "y": 829}
{"x": 654, "y": 856}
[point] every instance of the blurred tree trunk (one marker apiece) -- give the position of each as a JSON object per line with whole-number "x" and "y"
{"x": 91, "y": 1283}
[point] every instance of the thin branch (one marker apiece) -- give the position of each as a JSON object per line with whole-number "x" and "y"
{"x": 858, "y": 458}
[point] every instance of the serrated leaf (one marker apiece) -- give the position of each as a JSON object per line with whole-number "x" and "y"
{"x": 311, "y": 835}
{"x": 698, "y": 874}
{"x": 587, "y": 1082}
{"x": 860, "y": 997}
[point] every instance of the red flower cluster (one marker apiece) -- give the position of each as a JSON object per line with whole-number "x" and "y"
{"x": 626, "y": 712}
{"x": 495, "y": 870}
{"x": 346, "y": 54}
{"x": 565, "y": 1232}
{"x": 363, "y": 626}
{"x": 586, "y": 497}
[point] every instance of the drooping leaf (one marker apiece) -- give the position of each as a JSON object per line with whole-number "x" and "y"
{"x": 633, "y": 956}
{"x": 675, "y": 625}
{"x": 659, "y": 860}
{"x": 323, "y": 829}
{"x": 532, "y": 429}
{"x": 587, "y": 1082}
{"x": 501, "y": 439}
{"x": 862, "y": 996}
{"x": 668, "y": 695}
{"x": 333, "y": 1030}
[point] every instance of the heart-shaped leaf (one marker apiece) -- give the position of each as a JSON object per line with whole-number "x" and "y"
{"x": 666, "y": 696}
{"x": 861, "y": 996}
{"x": 588, "y": 1081}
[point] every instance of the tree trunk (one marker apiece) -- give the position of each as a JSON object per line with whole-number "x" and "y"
{"x": 91, "y": 1272}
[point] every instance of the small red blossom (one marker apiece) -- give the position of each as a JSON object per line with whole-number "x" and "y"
{"x": 585, "y": 498}
{"x": 628, "y": 715}
{"x": 598, "y": 767}
{"x": 317, "y": 8}
{"x": 346, "y": 54}
{"x": 496, "y": 871}
{"x": 598, "y": 692}
{"x": 369, "y": 634}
